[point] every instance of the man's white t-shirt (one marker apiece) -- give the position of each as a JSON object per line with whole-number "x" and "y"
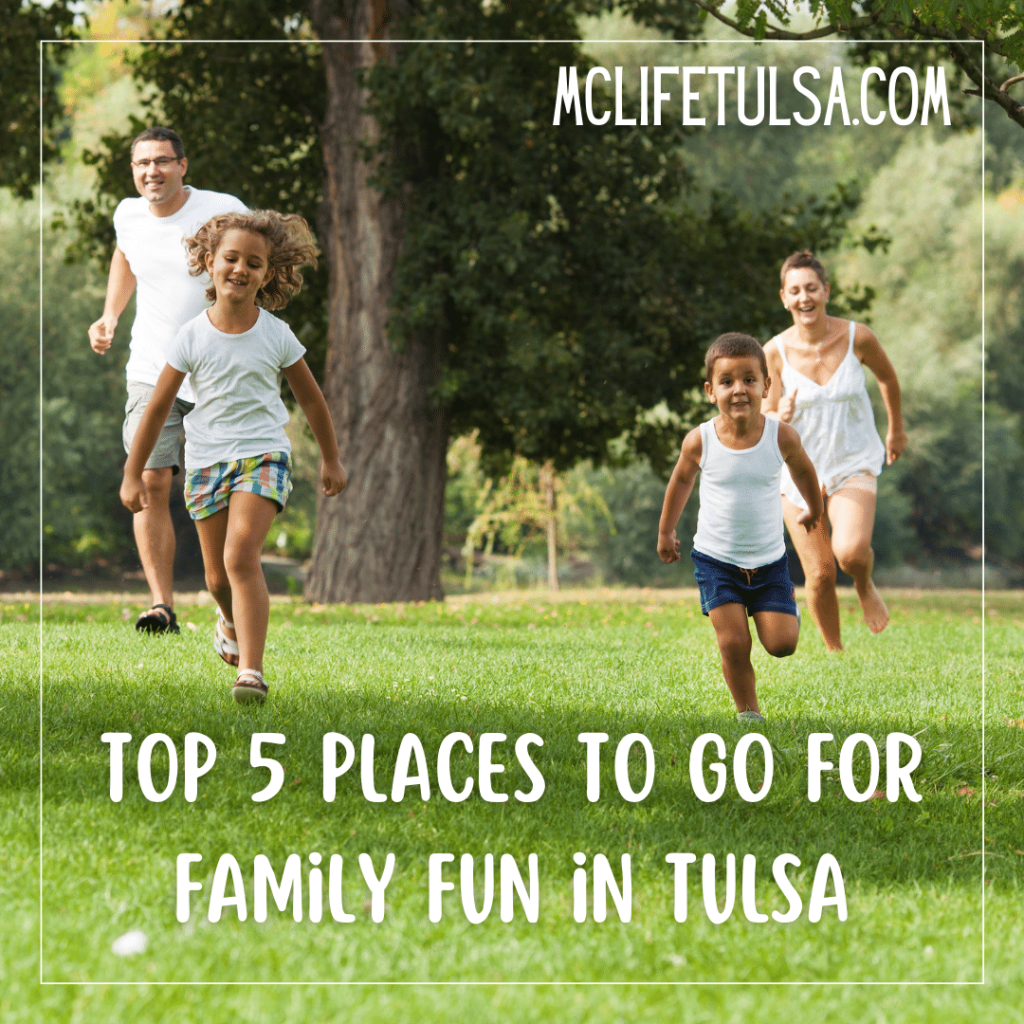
{"x": 237, "y": 380}
{"x": 167, "y": 295}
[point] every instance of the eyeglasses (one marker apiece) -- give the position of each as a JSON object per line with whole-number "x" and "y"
{"x": 159, "y": 163}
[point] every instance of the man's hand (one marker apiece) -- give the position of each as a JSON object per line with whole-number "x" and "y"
{"x": 333, "y": 477}
{"x": 668, "y": 547}
{"x": 133, "y": 494}
{"x": 101, "y": 333}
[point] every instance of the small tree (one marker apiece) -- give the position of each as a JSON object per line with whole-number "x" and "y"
{"x": 528, "y": 502}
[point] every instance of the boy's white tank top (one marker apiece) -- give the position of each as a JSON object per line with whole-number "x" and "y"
{"x": 835, "y": 422}
{"x": 740, "y": 516}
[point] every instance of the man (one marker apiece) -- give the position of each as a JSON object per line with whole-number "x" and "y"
{"x": 151, "y": 256}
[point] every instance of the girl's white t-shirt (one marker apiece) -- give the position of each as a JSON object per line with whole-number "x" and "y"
{"x": 740, "y": 516}
{"x": 239, "y": 412}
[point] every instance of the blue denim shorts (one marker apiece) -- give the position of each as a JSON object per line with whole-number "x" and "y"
{"x": 765, "y": 589}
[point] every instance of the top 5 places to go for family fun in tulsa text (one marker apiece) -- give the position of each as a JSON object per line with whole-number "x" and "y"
{"x": 410, "y": 771}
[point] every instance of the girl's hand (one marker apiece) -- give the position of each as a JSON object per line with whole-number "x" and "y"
{"x": 787, "y": 406}
{"x": 333, "y": 477}
{"x": 668, "y": 547}
{"x": 895, "y": 443}
{"x": 133, "y": 494}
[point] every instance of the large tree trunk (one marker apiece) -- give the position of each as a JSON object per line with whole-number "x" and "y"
{"x": 381, "y": 539}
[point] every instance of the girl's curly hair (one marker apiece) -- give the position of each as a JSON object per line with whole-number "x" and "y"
{"x": 290, "y": 245}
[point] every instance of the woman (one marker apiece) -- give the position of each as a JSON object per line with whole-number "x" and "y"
{"x": 818, "y": 385}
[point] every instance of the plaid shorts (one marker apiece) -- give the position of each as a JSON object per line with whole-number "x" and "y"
{"x": 208, "y": 490}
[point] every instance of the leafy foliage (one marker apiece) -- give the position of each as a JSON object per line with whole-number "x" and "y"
{"x": 26, "y": 72}
{"x": 546, "y": 257}
{"x": 928, "y": 313}
{"x": 626, "y": 540}
{"x": 1000, "y": 23}
{"x": 82, "y": 403}
{"x": 947, "y": 24}
{"x": 514, "y": 509}
{"x": 575, "y": 274}
{"x": 1004, "y": 370}
{"x": 574, "y": 282}
{"x": 19, "y": 389}
{"x": 249, "y": 116}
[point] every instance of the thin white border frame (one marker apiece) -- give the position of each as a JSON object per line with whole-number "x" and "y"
{"x": 515, "y": 984}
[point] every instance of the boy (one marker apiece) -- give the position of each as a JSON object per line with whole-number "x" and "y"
{"x": 739, "y": 554}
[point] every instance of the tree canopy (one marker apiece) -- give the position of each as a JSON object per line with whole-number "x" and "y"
{"x": 567, "y": 278}
{"x": 561, "y": 267}
{"x": 23, "y": 78}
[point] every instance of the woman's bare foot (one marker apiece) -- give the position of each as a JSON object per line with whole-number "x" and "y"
{"x": 876, "y": 615}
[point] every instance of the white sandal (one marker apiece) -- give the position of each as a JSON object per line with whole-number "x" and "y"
{"x": 250, "y": 687}
{"x": 225, "y": 647}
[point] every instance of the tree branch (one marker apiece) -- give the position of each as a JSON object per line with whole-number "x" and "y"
{"x": 712, "y": 7}
{"x": 927, "y": 30}
{"x": 986, "y": 89}
{"x": 922, "y": 29}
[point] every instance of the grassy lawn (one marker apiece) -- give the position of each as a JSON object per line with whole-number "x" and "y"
{"x": 610, "y": 662}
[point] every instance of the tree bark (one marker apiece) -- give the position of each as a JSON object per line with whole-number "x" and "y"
{"x": 381, "y": 539}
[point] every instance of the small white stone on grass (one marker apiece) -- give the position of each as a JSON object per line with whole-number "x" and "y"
{"x": 130, "y": 943}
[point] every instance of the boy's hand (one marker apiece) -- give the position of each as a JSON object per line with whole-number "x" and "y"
{"x": 133, "y": 494}
{"x": 808, "y": 519}
{"x": 895, "y": 443}
{"x": 668, "y": 547}
{"x": 101, "y": 333}
{"x": 787, "y": 406}
{"x": 333, "y": 477}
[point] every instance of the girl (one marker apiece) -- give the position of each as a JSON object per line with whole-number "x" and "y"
{"x": 818, "y": 385}
{"x": 237, "y": 455}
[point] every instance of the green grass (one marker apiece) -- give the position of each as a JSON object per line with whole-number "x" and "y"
{"x": 605, "y": 662}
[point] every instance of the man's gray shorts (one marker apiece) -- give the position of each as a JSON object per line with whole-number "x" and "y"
{"x": 168, "y": 444}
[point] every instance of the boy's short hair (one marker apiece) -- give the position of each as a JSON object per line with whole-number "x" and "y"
{"x": 801, "y": 259}
{"x": 158, "y": 134}
{"x": 733, "y": 346}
